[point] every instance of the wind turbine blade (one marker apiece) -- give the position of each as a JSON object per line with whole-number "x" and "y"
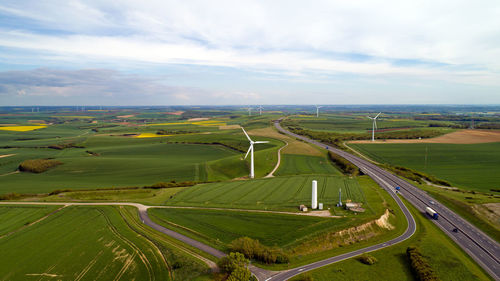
{"x": 378, "y": 114}
{"x": 375, "y": 122}
{"x": 260, "y": 142}
{"x": 369, "y": 117}
{"x": 246, "y": 134}
{"x": 250, "y": 148}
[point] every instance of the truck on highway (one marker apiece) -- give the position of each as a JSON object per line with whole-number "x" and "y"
{"x": 431, "y": 213}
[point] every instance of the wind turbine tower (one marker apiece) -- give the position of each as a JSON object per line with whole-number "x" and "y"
{"x": 317, "y": 110}
{"x": 249, "y": 111}
{"x": 340, "y": 198}
{"x": 374, "y": 125}
{"x": 250, "y": 150}
{"x": 260, "y": 109}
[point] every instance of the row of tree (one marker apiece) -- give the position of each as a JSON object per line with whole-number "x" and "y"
{"x": 420, "y": 266}
{"x": 253, "y": 249}
{"x": 345, "y": 165}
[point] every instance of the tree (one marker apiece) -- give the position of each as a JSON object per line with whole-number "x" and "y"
{"x": 232, "y": 261}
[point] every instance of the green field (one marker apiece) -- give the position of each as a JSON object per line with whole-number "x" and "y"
{"x": 445, "y": 257}
{"x": 469, "y": 166}
{"x": 284, "y": 193}
{"x": 85, "y": 243}
{"x": 219, "y": 228}
{"x": 359, "y": 123}
{"x": 13, "y": 218}
{"x": 293, "y": 164}
{"x": 116, "y": 165}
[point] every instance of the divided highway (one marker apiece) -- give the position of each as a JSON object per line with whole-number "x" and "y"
{"x": 484, "y": 250}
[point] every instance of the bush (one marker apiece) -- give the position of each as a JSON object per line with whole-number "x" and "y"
{"x": 171, "y": 184}
{"x": 11, "y": 196}
{"x": 38, "y": 165}
{"x": 420, "y": 266}
{"x": 346, "y": 166}
{"x": 58, "y": 191}
{"x": 232, "y": 263}
{"x": 252, "y": 249}
{"x": 367, "y": 259}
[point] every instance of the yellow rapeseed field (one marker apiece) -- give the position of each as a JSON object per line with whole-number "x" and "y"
{"x": 214, "y": 123}
{"x": 150, "y": 135}
{"x": 21, "y": 128}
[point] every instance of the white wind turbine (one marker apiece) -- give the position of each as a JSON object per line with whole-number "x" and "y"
{"x": 317, "y": 110}
{"x": 260, "y": 109}
{"x": 249, "y": 111}
{"x": 251, "y": 150}
{"x": 374, "y": 126}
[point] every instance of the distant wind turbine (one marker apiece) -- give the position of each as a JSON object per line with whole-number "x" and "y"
{"x": 250, "y": 150}
{"x": 260, "y": 109}
{"x": 374, "y": 126}
{"x": 249, "y": 111}
{"x": 317, "y": 110}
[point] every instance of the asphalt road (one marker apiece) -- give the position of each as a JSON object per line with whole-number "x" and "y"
{"x": 484, "y": 250}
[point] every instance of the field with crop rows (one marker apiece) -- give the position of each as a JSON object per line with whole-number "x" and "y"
{"x": 469, "y": 166}
{"x": 107, "y": 249}
{"x": 293, "y": 164}
{"x": 273, "y": 193}
{"x": 219, "y": 228}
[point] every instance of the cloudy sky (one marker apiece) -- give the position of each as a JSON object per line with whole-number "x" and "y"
{"x": 249, "y": 52}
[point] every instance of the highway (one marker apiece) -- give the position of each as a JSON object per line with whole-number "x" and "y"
{"x": 484, "y": 250}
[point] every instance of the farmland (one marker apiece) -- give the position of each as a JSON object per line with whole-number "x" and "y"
{"x": 283, "y": 193}
{"x": 468, "y": 166}
{"x": 107, "y": 249}
{"x": 304, "y": 164}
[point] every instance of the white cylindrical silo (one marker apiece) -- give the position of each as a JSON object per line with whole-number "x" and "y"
{"x": 314, "y": 201}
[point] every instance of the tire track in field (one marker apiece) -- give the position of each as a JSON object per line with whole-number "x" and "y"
{"x": 33, "y": 223}
{"x": 163, "y": 258}
{"x": 137, "y": 250}
{"x": 88, "y": 267}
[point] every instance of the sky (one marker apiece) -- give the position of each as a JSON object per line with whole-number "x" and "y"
{"x": 163, "y": 52}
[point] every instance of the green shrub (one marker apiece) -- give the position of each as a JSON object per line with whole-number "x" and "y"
{"x": 171, "y": 184}
{"x": 38, "y": 165}
{"x": 367, "y": 259}
{"x": 305, "y": 277}
{"x": 420, "y": 266}
{"x": 345, "y": 165}
{"x": 253, "y": 249}
{"x": 232, "y": 261}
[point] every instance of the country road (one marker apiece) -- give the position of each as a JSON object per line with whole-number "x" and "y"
{"x": 484, "y": 250}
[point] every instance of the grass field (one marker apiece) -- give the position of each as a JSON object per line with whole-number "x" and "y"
{"x": 13, "y": 218}
{"x": 283, "y": 193}
{"x": 219, "y": 228}
{"x": 469, "y": 166}
{"x": 358, "y": 123}
{"x": 87, "y": 243}
{"x": 293, "y": 164}
{"x": 117, "y": 165}
{"x": 445, "y": 257}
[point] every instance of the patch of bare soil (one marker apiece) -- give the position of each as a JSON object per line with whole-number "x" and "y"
{"x": 6, "y": 155}
{"x": 229, "y": 127}
{"x": 174, "y": 113}
{"x": 198, "y": 119}
{"x": 458, "y": 137}
{"x": 126, "y": 116}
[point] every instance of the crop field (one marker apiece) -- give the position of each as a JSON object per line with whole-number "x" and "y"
{"x": 358, "y": 123}
{"x": 219, "y": 228}
{"x": 115, "y": 165}
{"x": 13, "y": 218}
{"x": 273, "y": 193}
{"x": 304, "y": 164}
{"x": 106, "y": 249}
{"x": 469, "y": 166}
